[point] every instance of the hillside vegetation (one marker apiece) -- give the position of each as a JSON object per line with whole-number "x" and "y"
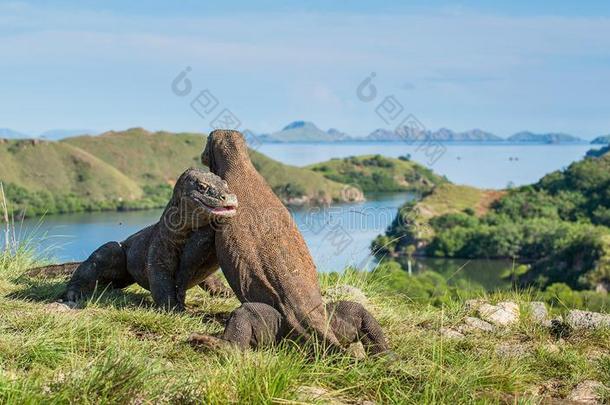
{"x": 376, "y": 173}
{"x": 558, "y": 227}
{"x": 411, "y": 227}
{"x": 126, "y": 170}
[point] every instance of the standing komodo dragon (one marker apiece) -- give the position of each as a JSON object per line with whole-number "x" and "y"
{"x": 168, "y": 257}
{"x": 261, "y": 252}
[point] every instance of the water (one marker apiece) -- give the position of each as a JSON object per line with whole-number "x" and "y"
{"x": 336, "y": 236}
{"x": 484, "y": 165}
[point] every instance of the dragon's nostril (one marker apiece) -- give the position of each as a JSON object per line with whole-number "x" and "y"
{"x": 223, "y": 197}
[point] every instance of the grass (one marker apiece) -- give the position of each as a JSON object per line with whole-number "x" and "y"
{"x": 118, "y": 349}
{"x": 449, "y": 198}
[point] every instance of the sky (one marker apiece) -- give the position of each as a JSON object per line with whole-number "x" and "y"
{"x": 499, "y": 66}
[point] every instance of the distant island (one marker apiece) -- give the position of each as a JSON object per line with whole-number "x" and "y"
{"x": 305, "y": 131}
{"x": 526, "y": 136}
{"x": 601, "y": 140}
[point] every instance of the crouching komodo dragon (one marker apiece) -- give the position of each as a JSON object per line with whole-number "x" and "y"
{"x": 255, "y": 324}
{"x": 261, "y": 252}
{"x": 170, "y": 256}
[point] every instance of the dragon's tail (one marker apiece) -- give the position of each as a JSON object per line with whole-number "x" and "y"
{"x": 54, "y": 270}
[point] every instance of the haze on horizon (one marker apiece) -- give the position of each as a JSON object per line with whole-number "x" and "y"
{"x": 107, "y": 65}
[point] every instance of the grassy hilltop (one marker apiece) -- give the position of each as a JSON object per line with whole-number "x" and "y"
{"x": 116, "y": 348}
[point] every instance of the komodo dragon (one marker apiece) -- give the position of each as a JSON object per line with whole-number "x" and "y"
{"x": 255, "y": 324}
{"x": 261, "y": 252}
{"x": 168, "y": 257}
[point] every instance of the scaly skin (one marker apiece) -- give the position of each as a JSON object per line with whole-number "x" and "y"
{"x": 199, "y": 257}
{"x": 261, "y": 252}
{"x": 153, "y": 256}
{"x": 255, "y": 324}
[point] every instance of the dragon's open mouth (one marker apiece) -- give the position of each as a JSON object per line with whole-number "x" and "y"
{"x": 222, "y": 210}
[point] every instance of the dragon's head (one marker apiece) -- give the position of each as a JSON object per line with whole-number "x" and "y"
{"x": 224, "y": 147}
{"x": 205, "y": 196}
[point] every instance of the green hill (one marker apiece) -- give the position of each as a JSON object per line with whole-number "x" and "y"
{"x": 158, "y": 158}
{"x": 127, "y": 170}
{"x": 53, "y": 166}
{"x": 376, "y": 173}
{"x": 559, "y": 227}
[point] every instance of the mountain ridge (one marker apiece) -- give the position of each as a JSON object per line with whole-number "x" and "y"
{"x": 306, "y": 131}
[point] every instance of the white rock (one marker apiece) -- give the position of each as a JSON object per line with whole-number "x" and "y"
{"x": 451, "y": 333}
{"x": 587, "y": 392}
{"x": 504, "y": 314}
{"x": 472, "y": 324}
{"x": 474, "y": 304}
{"x": 578, "y": 319}
{"x": 539, "y": 312}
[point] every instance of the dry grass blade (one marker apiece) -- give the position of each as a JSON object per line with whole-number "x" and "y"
{"x": 7, "y": 230}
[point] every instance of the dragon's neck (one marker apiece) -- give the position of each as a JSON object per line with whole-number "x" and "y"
{"x": 175, "y": 224}
{"x": 233, "y": 163}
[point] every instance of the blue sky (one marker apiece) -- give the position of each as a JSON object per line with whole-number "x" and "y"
{"x": 499, "y": 66}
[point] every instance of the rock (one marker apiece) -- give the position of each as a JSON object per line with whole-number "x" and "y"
{"x": 451, "y": 333}
{"x": 472, "y": 324}
{"x": 345, "y": 292}
{"x": 474, "y": 304}
{"x": 504, "y": 314}
{"x": 578, "y": 319}
{"x": 539, "y": 312}
{"x": 587, "y": 392}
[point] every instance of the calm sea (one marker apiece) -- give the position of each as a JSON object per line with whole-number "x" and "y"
{"x": 480, "y": 165}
